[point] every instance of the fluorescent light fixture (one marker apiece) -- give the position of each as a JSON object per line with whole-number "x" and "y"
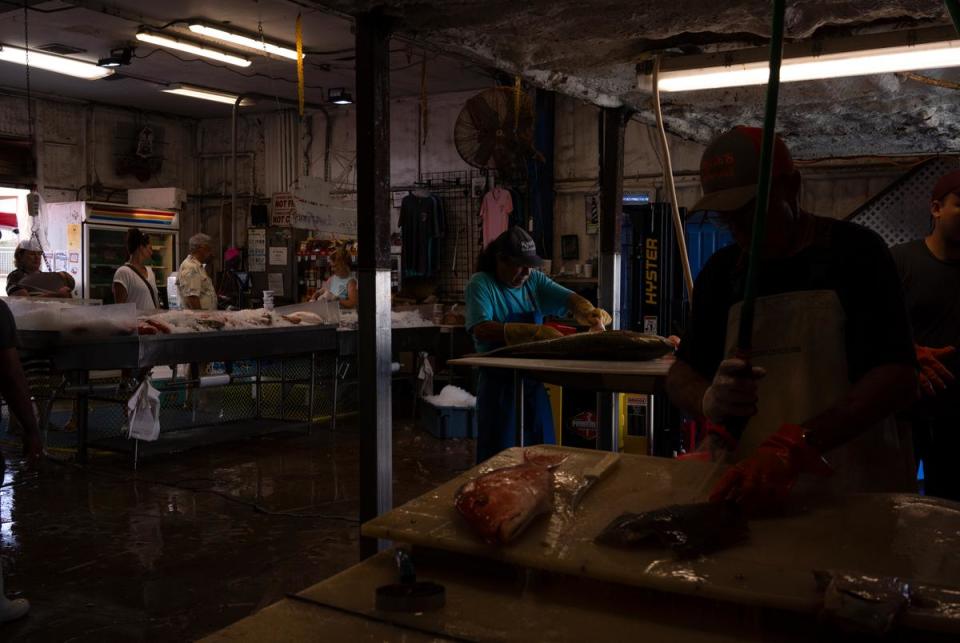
{"x": 163, "y": 40}
{"x": 51, "y": 62}
{"x": 241, "y": 40}
{"x": 205, "y": 94}
{"x": 339, "y": 96}
{"x": 856, "y": 56}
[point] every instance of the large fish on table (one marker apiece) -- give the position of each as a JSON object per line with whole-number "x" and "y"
{"x": 610, "y": 345}
{"x": 499, "y": 505}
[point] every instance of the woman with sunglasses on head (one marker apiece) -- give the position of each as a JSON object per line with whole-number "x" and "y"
{"x": 134, "y": 281}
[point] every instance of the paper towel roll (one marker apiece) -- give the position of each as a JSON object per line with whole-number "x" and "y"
{"x": 214, "y": 380}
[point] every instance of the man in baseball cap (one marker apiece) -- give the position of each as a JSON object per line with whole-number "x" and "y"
{"x": 929, "y": 270}
{"x": 833, "y": 357}
{"x": 507, "y": 302}
{"x": 729, "y": 170}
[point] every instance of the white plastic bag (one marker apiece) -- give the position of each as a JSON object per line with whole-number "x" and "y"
{"x": 143, "y": 413}
{"x": 425, "y": 374}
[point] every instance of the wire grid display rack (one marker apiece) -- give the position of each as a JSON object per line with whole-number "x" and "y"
{"x": 901, "y": 213}
{"x": 283, "y": 395}
{"x": 463, "y": 239}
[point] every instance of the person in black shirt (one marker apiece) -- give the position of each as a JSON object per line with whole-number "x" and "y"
{"x": 13, "y": 387}
{"x": 832, "y": 352}
{"x": 930, "y": 272}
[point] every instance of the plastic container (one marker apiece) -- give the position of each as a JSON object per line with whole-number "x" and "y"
{"x": 447, "y": 422}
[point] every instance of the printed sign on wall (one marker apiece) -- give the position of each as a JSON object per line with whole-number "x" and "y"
{"x": 283, "y": 209}
{"x": 257, "y": 240}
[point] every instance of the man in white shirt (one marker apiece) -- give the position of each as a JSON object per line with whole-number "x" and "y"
{"x": 193, "y": 284}
{"x": 196, "y": 292}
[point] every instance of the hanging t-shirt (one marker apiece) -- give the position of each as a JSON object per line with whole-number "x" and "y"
{"x": 421, "y": 226}
{"x": 495, "y": 213}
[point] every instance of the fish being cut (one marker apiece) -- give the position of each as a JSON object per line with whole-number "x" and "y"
{"x": 689, "y": 530}
{"x": 499, "y": 505}
{"x": 614, "y": 345}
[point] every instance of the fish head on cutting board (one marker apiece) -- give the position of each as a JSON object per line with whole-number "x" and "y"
{"x": 500, "y": 504}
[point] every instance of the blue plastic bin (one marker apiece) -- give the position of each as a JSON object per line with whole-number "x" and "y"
{"x": 449, "y": 421}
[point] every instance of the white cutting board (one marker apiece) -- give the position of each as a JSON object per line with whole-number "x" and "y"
{"x": 903, "y": 535}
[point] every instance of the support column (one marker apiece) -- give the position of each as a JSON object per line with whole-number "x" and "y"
{"x": 613, "y": 127}
{"x": 373, "y": 238}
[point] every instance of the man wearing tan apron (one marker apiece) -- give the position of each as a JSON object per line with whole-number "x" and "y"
{"x": 832, "y": 356}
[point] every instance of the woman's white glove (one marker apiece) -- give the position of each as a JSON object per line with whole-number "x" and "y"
{"x": 323, "y": 295}
{"x": 733, "y": 392}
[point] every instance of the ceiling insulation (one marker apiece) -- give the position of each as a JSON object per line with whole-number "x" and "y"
{"x": 590, "y": 50}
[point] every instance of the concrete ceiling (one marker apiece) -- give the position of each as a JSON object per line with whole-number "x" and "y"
{"x": 96, "y": 27}
{"x": 589, "y": 49}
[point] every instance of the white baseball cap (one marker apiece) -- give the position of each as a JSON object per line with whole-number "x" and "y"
{"x": 29, "y": 245}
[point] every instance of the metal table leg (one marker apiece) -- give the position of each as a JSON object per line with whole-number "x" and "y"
{"x": 518, "y": 406}
{"x": 83, "y": 406}
{"x": 259, "y": 387}
{"x": 283, "y": 388}
{"x": 310, "y": 392}
{"x": 336, "y": 386}
{"x": 608, "y": 421}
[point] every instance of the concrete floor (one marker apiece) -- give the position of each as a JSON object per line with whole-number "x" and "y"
{"x": 193, "y": 541}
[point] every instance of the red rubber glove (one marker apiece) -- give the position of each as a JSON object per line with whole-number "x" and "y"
{"x": 934, "y": 375}
{"x": 716, "y": 444}
{"x": 763, "y": 481}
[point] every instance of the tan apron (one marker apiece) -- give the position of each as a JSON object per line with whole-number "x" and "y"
{"x": 798, "y": 337}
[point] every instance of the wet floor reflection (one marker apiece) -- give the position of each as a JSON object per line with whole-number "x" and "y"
{"x": 194, "y": 541}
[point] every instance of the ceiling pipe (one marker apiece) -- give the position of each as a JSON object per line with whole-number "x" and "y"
{"x": 233, "y": 184}
{"x": 233, "y": 188}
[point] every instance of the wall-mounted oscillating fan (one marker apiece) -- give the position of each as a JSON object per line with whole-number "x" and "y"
{"x": 491, "y": 132}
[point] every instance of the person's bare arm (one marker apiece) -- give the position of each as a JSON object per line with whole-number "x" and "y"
{"x": 13, "y": 387}
{"x": 352, "y": 295}
{"x": 119, "y": 293}
{"x": 881, "y": 392}
{"x": 685, "y": 387}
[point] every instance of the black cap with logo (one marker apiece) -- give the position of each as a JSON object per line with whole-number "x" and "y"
{"x": 518, "y": 246}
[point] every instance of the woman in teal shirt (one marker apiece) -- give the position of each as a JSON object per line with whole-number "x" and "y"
{"x": 506, "y": 304}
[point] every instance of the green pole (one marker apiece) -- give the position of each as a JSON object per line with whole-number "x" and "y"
{"x": 745, "y": 330}
{"x": 735, "y": 426}
{"x": 954, "y": 8}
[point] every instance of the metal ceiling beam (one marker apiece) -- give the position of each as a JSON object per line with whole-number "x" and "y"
{"x": 373, "y": 238}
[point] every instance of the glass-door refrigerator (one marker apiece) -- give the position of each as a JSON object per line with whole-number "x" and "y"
{"x": 88, "y": 240}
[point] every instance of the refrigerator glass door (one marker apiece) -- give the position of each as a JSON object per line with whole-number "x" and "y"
{"x": 107, "y": 251}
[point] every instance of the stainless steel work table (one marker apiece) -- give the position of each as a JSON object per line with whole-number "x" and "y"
{"x": 590, "y": 375}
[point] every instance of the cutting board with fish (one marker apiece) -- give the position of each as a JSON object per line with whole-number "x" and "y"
{"x": 773, "y": 565}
